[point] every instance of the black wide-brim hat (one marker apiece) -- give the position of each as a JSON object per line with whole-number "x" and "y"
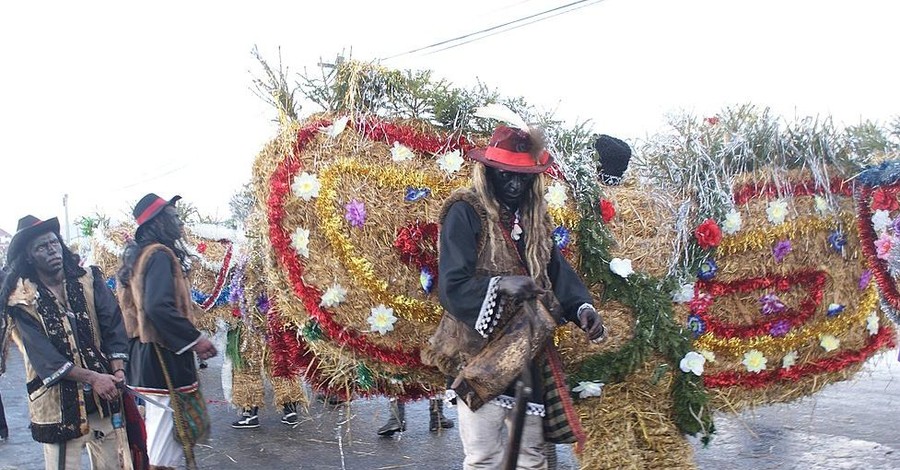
{"x": 511, "y": 149}
{"x": 150, "y": 206}
{"x": 29, "y": 227}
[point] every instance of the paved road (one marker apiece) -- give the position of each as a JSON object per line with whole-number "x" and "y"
{"x": 849, "y": 425}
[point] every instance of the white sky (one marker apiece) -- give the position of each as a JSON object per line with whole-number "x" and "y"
{"x": 106, "y": 101}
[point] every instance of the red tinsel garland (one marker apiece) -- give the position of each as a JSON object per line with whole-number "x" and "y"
{"x": 417, "y": 244}
{"x": 220, "y": 278}
{"x": 378, "y": 130}
{"x": 883, "y": 339}
{"x": 813, "y": 280}
{"x": 804, "y": 188}
{"x": 886, "y": 284}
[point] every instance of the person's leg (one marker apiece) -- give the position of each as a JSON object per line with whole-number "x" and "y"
{"x": 65, "y": 455}
{"x": 4, "y": 430}
{"x": 103, "y": 447}
{"x": 531, "y": 452}
{"x": 436, "y": 418}
{"x": 396, "y": 420}
{"x": 162, "y": 448}
{"x": 482, "y": 435}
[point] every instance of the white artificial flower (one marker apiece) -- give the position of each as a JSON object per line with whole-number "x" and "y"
{"x": 450, "y": 162}
{"x": 401, "y": 153}
{"x": 693, "y": 362}
{"x": 622, "y": 267}
{"x": 872, "y": 323}
{"x": 829, "y": 342}
{"x": 589, "y": 389}
{"x": 333, "y": 296}
{"x": 382, "y": 319}
{"x": 821, "y": 205}
{"x": 684, "y": 294}
{"x": 708, "y": 355}
{"x": 300, "y": 241}
{"x": 881, "y": 220}
{"x": 336, "y": 127}
{"x": 556, "y": 196}
{"x": 777, "y": 211}
{"x": 789, "y": 360}
{"x": 306, "y": 186}
{"x": 754, "y": 361}
{"x": 732, "y": 222}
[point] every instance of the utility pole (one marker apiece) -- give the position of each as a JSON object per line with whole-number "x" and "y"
{"x": 66, "y": 212}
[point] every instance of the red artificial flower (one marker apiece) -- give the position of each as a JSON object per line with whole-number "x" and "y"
{"x": 885, "y": 199}
{"x": 708, "y": 234}
{"x": 712, "y": 121}
{"x": 201, "y": 248}
{"x": 607, "y": 211}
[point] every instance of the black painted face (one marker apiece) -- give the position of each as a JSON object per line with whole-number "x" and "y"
{"x": 510, "y": 187}
{"x": 45, "y": 253}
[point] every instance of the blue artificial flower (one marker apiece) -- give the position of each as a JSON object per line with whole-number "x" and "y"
{"x": 837, "y": 241}
{"x": 198, "y": 297}
{"x": 696, "y": 324}
{"x": 561, "y": 237}
{"x": 426, "y": 279}
{"x": 708, "y": 270}
{"x": 111, "y": 283}
{"x": 415, "y": 194}
{"x": 262, "y": 303}
{"x": 835, "y": 309}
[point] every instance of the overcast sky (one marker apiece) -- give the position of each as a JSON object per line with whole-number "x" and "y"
{"x": 106, "y": 101}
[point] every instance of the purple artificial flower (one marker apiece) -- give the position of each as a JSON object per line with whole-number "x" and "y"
{"x": 864, "y": 279}
{"x": 780, "y": 328}
{"x": 896, "y": 226}
{"x": 782, "y": 248}
{"x": 426, "y": 280}
{"x": 356, "y": 213}
{"x": 262, "y": 303}
{"x": 771, "y": 304}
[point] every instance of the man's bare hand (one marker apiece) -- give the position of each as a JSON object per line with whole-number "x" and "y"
{"x": 105, "y": 386}
{"x": 520, "y": 287}
{"x": 205, "y": 348}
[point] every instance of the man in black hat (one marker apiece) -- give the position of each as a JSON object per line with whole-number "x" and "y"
{"x": 155, "y": 294}
{"x": 69, "y": 327}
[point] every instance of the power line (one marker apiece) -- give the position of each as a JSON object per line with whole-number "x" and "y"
{"x": 535, "y": 17}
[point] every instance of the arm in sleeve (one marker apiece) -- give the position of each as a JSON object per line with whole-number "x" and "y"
{"x": 567, "y": 286}
{"x": 114, "y": 341}
{"x": 463, "y": 294}
{"x": 177, "y": 333}
{"x": 48, "y": 363}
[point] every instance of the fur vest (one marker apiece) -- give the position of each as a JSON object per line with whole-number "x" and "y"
{"x": 58, "y": 411}
{"x": 132, "y": 302}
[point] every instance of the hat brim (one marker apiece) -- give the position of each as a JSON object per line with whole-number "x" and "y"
{"x": 22, "y": 237}
{"x": 478, "y": 155}
{"x": 160, "y": 209}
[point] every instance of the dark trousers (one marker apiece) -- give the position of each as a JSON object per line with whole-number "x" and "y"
{"x": 4, "y": 431}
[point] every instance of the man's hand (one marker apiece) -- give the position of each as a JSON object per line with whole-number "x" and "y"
{"x": 105, "y": 386}
{"x": 589, "y": 321}
{"x": 520, "y": 287}
{"x": 204, "y": 348}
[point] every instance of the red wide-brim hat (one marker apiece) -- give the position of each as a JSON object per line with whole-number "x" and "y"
{"x": 149, "y": 206}
{"x": 512, "y": 149}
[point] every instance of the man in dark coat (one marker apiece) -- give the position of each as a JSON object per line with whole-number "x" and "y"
{"x": 156, "y": 303}
{"x": 69, "y": 327}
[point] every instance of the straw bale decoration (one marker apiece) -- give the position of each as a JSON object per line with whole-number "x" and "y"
{"x": 727, "y": 265}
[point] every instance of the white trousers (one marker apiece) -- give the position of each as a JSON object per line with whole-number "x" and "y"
{"x": 101, "y": 442}
{"x": 162, "y": 448}
{"x": 484, "y": 434}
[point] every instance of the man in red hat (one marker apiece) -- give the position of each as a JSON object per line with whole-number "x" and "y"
{"x": 505, "y": 287}
{"x": 68, "y": 325}
{"x": 156, "y": 303}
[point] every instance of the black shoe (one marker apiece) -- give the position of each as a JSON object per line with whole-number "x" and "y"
{"x": 249, "y": 419}
{"x": 397, "y": 422}
{"x": 290, "y": 415}
{"x": 203, "y": 365}
{"x": 437, "y": 420}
